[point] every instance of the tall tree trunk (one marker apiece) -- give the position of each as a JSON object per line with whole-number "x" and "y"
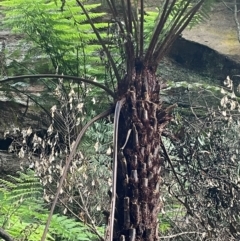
{"x": 139, "y": 156}
{"x": 140, "y": 161}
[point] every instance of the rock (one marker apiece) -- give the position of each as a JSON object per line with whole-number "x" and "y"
{"x": 10, "y": 164}
{"x": 204, "y": 60}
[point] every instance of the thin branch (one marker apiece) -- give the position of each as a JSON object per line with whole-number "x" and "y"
{"x": 141, "y": 29}
{"x": 68, "y": 161}
{"x": 91, "y": 225}
{"x": 124, "y": 9}
{"x": 106, "y": 50}
{"x": 85, "y": 209}
{"x": 236, "y": 19}
{"x": 179, "y": 234}
{"x": 5, "y": 236}
{"x": 171, "y": 165}
{"x": 74, "y": 78}
{"x": 116, "y": 18}
{"x": 227, "y": 6}
{"x": 129, "y": 14}
{"x": 36, "y": 102}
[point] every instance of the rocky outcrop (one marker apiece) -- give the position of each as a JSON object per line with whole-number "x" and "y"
{"x": 10, "y": 163}
{"x": 204, "y": 60}
{"x": 13, "y": 118}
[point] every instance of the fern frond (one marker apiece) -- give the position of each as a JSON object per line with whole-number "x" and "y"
{"x": 62, "y": 35}
{"x": 24, "y": 218}
{"x": 23, "y": 187}
{"x": 70, "y": 229}
{"x": 203, "y": 14}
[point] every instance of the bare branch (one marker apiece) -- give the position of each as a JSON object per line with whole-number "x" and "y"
{"x": 236, "y": 19}
{"x": 172, "y": 167}
{"x": 227, "y": 6}
{"x": 235, "y": 13}
{"x": 32, "y": 99}
{"x": 91, "y": 226}
{"x": 179, "y": 234}
{"x": 68, "y": 161}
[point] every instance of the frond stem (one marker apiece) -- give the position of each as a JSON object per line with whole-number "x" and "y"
{"x": 75, "y": 78}
{"x": 141, "y": 29}
{"x": 36, "y": 102}
{"x": 114, "y": 173}
{"x": 101, "y": 42}
{"x": 153, "y": 42}
{"x": 165, "y": 46}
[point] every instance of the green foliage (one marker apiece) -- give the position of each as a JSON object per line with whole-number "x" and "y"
{"x": 199, "y": 17}
{"x": 68, "y": 229}
{"x": 150, "y": 21}
{"x": 25, "y": 186}
{"x": 23, "y": 213}
{"x": 63, "y": 35}
{"x": 69, "y": 42}
{"x": 57, "y": 40}
{"x": 203, "y": 14}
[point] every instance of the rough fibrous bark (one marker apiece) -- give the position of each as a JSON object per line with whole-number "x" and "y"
{"x": 140, "y": 162}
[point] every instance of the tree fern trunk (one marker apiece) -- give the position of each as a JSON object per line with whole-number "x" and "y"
{"x": 140, "y": 161}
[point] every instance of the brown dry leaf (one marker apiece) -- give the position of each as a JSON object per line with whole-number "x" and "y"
{"x": 224, "y": 101}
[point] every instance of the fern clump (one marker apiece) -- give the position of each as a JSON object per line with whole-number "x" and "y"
{"x": 24, "y": 187}
{"x": 23, "y": 213}
{"x": 59, "y": 33}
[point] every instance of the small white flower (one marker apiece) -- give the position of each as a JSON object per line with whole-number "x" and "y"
{"x": 71, "y": 93}
{"x": 80, "y": 107}
{"x": 109, "y": 151}
{"x": 54, "y": 108}
{"x": 98, "y": 208}
{"x": 233, "y": 96}
{"x": 21, "y": 153}
{"x": 50, "y": 129}
{"x": 96, "y": 146}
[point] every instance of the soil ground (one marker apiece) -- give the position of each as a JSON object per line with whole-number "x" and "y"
{"x": 219, "y": 32}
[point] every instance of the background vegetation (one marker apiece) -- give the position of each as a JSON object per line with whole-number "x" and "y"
{"x": 202, "y": 173}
